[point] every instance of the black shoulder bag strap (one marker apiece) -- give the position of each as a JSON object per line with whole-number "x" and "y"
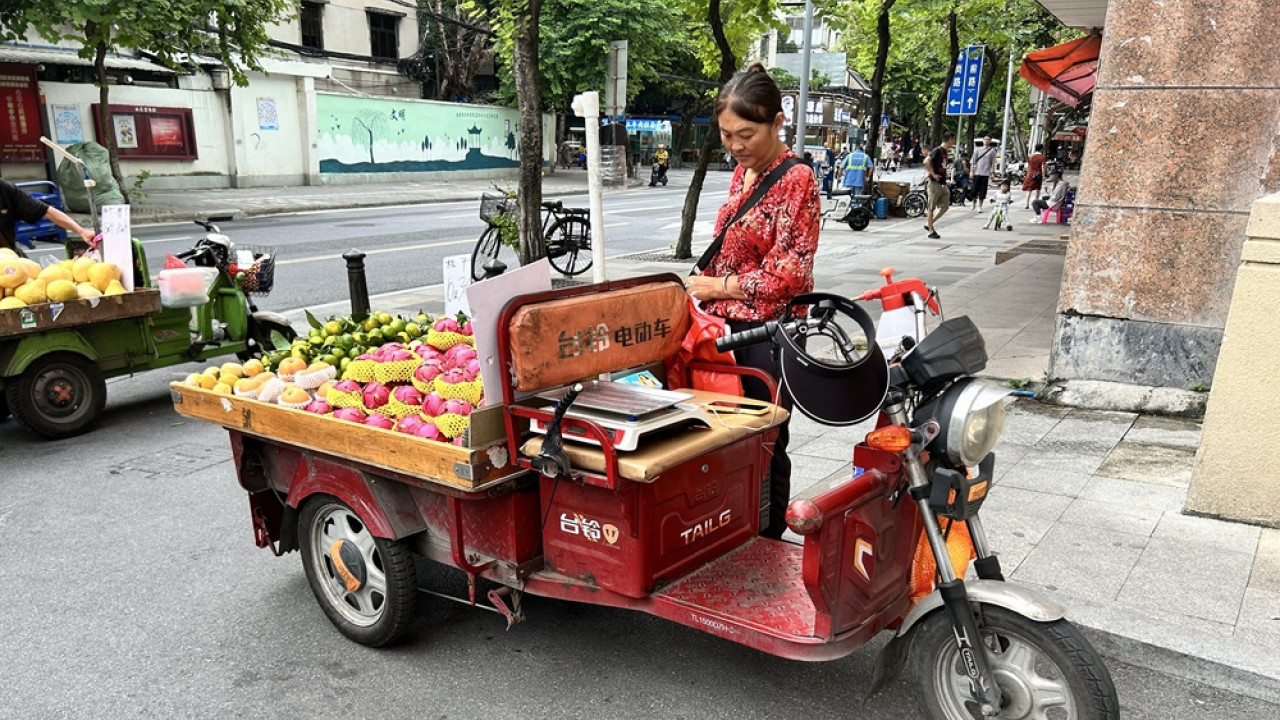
{"x": 762, "y": 187}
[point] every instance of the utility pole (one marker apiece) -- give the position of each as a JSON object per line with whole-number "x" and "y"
{"x": 803, "y": 110}
{"x": 1008, "y": 107}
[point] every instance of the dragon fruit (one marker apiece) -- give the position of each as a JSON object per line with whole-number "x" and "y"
{"x": 433, "y": 404}
{"x": 319, "y": 407}
{"x": 350, "y": 414}
{"x": 376, "y": 395}
{"x": 379, "y": 420}
{"x": 429, "y": 431}
{"x": 409, "y": 425}
{"x": 407, "y": 395}
{"x": 458, "y": 407}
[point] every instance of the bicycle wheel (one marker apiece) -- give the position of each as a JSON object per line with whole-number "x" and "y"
{"x": 569, "y": 245}
{"x": 914, "y": 204}
{"x": 489, "y": 247}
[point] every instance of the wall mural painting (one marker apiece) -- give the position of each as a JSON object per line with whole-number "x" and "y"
{"x": 372, "y": 135}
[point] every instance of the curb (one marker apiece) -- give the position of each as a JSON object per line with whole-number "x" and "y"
{"x": 143, "y": 216}
{"x": 1224, "y": 662}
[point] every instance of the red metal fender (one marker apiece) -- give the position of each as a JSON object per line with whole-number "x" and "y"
{"x": 314, "y": 476}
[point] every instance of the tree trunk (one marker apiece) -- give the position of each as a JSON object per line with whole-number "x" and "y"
{"x": 935, "y": 130}
{"x": 104, "y": 115}
{"x": 682, "y": 134}
{"x": 877, "y": 78}
{"x": 728, "y": 63}
{"x": 529, "y": 99}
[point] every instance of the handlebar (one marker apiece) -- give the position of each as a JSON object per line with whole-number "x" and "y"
{"x": 747, "y": 337}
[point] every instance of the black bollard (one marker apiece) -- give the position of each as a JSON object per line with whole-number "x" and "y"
{"x": 356, "y": 285}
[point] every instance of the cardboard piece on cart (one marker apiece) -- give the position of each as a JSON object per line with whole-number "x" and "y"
{"x": 659, "y": 454}
{"x": 117, "y": 241}
{"x": 487, "y": 298}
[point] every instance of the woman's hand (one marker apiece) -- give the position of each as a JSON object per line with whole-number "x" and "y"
{"x": 707, "y": 287}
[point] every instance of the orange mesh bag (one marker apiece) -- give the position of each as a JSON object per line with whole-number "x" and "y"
{"x": 924, "y": 568}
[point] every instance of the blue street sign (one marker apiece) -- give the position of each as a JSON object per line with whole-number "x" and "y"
{"x": 884, "y": 121}
{"x": 962, "y": 93}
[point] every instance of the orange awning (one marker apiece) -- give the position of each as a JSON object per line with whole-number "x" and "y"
{"x": 1065, "y": 72}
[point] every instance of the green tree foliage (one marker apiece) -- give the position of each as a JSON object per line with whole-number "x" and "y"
{"x": 233, "y": 30}
{"x": 919, "y": 62}
{"x": 573, "y": 47}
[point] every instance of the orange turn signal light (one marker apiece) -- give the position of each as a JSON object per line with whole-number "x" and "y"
{"x": 890, "y": 438}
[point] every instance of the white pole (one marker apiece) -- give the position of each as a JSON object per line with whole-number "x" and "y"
{"x": 1008, "y": 106}
{"x": 802, "y": 112}
{"x": 587, "y": 106}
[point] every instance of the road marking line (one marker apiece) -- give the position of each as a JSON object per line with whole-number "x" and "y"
{"x": 380, "y": 251}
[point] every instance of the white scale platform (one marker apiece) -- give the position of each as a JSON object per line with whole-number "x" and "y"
{"x": 633, "y": 410}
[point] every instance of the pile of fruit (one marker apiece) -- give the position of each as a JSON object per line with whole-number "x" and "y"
{"x": 339, "y": 340}
{"x": 426, "y": 387}
{"x": 24, "y": 282}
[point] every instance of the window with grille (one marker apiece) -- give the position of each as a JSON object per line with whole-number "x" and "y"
{"x": 384, "y": 40}
{"x": 311, "y": 18}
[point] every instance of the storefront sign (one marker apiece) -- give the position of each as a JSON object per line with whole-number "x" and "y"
{"x": 20, "y": 105}
{"x": 642, "y": 125}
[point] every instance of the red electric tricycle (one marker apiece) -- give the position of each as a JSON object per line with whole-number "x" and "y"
{"x": 565, "y": 500}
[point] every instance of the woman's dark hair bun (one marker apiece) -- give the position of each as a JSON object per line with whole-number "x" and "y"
{"x": 751, "y": 94}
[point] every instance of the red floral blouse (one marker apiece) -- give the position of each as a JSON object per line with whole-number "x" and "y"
{"x": 770, "y": 248}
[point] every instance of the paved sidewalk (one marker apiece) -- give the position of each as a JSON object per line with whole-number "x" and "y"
{"x": 1087, "y": 505}
{"x": 237, "y": 203}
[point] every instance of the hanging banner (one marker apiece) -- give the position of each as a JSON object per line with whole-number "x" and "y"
{"x": 20, "y": 124}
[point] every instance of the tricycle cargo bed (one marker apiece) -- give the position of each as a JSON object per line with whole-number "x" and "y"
{"x": 468, "y": 468}
{"x": 57, "y": 316}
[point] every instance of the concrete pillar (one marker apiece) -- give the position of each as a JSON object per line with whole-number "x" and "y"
{"x": 1182, "y": 139}
{"x": 1237, "y": 470}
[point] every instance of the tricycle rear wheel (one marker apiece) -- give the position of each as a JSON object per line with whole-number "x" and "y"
{"x": 366, "y": 585}
{"x": 58, "y": 395}
{"x": 1043, "y": 669}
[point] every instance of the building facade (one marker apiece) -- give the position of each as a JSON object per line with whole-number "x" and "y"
{"x": 336, "y": 102}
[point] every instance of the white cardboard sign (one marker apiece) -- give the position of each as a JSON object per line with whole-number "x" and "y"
{"x": 117, "y": 241}
{"x": 457, "y": 277}
{"x": 487, "y": 298}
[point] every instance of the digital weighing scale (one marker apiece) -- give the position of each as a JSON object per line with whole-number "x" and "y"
{"x": 626, "y": 411}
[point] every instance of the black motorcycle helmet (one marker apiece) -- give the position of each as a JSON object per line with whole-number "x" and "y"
{"x": 847, "y": 387}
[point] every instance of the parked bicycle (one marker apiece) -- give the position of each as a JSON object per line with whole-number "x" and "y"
{"x": 566, "y": 232}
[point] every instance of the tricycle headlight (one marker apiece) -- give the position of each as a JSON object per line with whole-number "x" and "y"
{"x": 971, "y": 415}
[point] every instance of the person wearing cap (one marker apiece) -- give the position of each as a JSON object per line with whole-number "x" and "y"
{"x": 16, "y": 206}
{"x": 1056, "y": 198}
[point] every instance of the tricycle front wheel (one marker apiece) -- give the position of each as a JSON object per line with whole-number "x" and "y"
{"x": 57, "y": 396}
{"x": 1043, "y": 670}
{"x": 366, "y": 585}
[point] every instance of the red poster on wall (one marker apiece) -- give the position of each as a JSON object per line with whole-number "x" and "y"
{"x": 19, "y": 115}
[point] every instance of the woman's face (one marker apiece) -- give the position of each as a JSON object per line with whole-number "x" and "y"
{"x": 754, "y": 145}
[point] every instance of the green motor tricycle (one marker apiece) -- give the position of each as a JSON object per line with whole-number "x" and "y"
{"x": 56, "y": 357}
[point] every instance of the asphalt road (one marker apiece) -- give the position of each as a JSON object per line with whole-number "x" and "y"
{"x": 405, "y": 246}
{"x": 134, "y": 588}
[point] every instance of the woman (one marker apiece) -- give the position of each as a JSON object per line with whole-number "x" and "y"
{"x": 1035, "y": 176}
{"x": 767, "y": 255}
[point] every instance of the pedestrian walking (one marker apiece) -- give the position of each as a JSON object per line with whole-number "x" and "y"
{"x": 16, "y": 206}
{"x": 1035, "y": 176}
{"x": 939, "y": 195}
{"x": 855, "y": 171}
{"x": 983, "y": 161}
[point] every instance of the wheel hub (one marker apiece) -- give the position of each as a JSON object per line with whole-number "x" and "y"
{"x": 349, "y": 564}
{"x": 60, "y": 394}
{"x": 1015, "y": 694}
